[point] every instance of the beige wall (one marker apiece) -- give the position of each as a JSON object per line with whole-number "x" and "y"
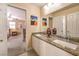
{"x": 30, "y": 10}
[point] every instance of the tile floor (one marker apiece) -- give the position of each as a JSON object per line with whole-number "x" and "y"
{"x": 16, "y": 47}
{"x": 15, "y": 51}
{"x": 29, "y": 53}
{"x": 20, "y": 52}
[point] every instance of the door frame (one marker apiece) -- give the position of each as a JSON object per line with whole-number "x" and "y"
{"x": 23, "y": 20}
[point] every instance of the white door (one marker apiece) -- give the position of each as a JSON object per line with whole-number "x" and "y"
{"x": 3, "y": 30}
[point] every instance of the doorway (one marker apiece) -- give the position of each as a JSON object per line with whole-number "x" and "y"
{"x": 16, "y": 30}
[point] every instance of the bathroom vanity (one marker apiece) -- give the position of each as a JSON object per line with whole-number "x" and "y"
{"x": 54, "y": 46}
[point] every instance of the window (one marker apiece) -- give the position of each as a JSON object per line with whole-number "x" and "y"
{"x": 12, "y": 25}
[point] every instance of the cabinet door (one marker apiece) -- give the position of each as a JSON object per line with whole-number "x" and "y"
{"x": 45, "y": 49}
{"x": 54, "y": 51}
{"x": 42, "y": 48}
{"x": 71, "y": 25}
{"x": 39, "y": 46}
{"x": 36, "y": 44}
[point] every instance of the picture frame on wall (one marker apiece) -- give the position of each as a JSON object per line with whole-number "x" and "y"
{"x": 44, "y": 24}
{"x": 44, "y": 21}
{"x": 34, "y": 20}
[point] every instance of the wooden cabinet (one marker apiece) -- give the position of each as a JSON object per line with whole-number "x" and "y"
{"x": 54, "y": 51}
{"x": 39, "y": 46}
{"x": 36, "y": 44}
{"x": 45, "y": 49}
{"x": 42, "y": 48}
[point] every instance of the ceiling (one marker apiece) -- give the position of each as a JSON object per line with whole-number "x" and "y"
{"x": 39, "y": 4}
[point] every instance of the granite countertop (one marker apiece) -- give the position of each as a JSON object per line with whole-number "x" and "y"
{"x": 51, "y": 40}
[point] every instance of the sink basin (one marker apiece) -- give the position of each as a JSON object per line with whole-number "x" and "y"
{"x": 66, "y": 44}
